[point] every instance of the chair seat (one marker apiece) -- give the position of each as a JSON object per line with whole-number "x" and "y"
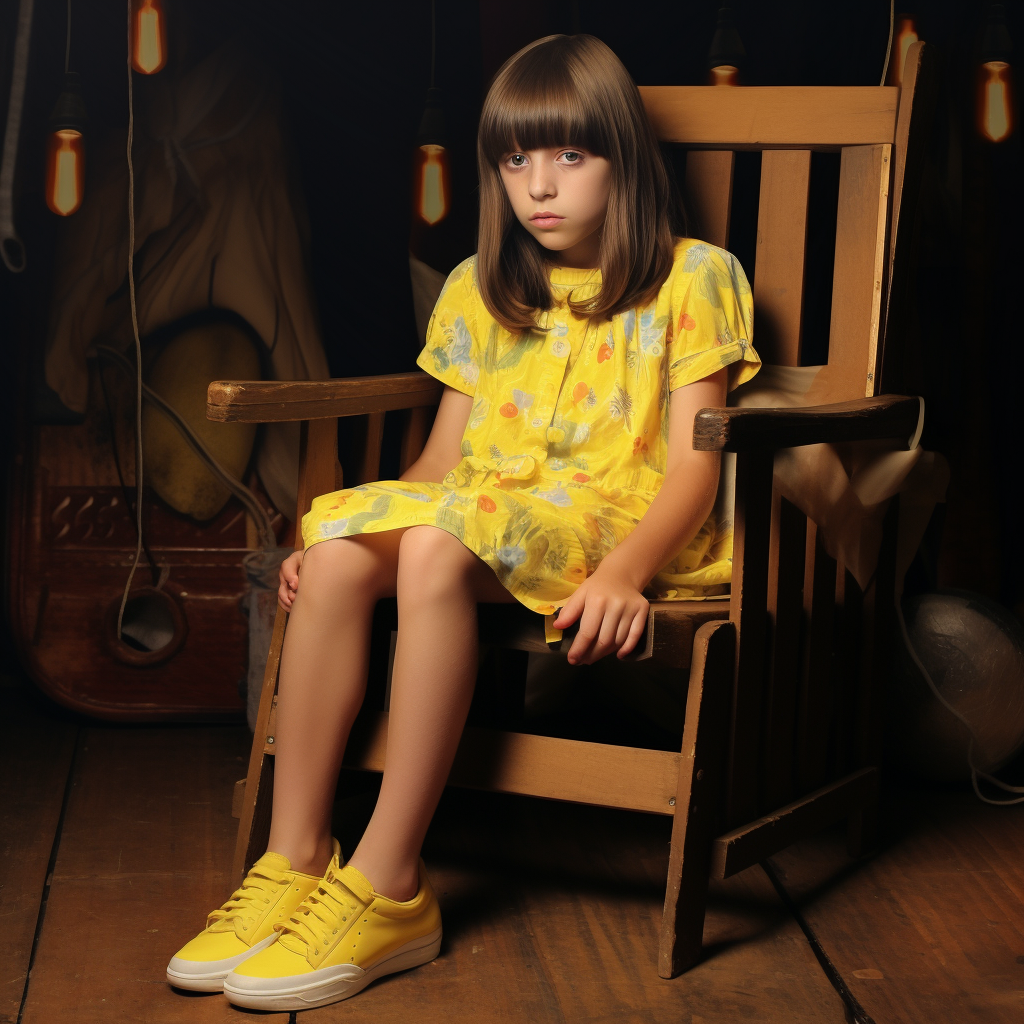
{"x": 667, "y": 638}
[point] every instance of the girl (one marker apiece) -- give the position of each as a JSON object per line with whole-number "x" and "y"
{"x": 576, "y": 347}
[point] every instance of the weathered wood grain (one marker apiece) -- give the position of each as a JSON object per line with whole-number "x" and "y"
{"x": 781, "y": 254}
{"x": 861, "y": 269}
{"x": 932, "y": 928}
{"x": 35, "y": 758}
{"x": 144, "y": 856}
{"x": 749, "y": 430}
{"x": 765, "y": 117}
{"x": 268, "y": 401}
{"x": 709, "y": 177}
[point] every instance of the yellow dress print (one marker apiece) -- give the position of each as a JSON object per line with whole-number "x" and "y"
{"x": 567, "y": 438}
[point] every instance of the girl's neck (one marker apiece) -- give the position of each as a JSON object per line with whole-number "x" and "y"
{"x": 584, "y": 255}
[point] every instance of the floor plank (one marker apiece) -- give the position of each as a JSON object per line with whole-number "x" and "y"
{"x": 35, "y": 758}
{"x": 932, "y": 928}
{"x": 144, "y": 855}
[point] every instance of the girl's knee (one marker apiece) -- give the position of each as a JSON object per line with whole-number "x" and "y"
{"x": 432, "y": 563}
{"x": 342, "y": 568}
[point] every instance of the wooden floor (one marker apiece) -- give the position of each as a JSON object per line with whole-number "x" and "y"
{"x": 116, "y": 842}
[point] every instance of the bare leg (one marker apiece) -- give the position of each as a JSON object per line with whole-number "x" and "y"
{"x": 439, "y": 584}
{"x": 323, "y": 681}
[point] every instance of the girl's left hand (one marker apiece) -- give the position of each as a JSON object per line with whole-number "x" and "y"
{"x": 613, "y": 612}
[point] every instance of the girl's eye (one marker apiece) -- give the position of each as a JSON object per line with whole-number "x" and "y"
{"x": 572, "y": 156}
{"x": 516, "y": 160}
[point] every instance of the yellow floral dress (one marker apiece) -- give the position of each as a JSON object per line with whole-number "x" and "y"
{"x": 567, "y": 438}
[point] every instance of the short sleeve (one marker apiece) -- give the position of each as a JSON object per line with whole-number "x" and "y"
{"x": 712, "y": 318}
{"x": 452, "y": 350}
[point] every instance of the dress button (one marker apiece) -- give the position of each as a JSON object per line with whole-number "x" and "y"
{"x": 555, "y": 434}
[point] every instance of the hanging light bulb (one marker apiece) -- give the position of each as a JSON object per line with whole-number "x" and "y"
{"x": 995, "y": 83}
{"x": 726, "y": 56}
{"x": 905, "y": 37}
{"x": 431, "y": 169}
{"x": 65, "y": 156}
{"x": 149, "y": 36}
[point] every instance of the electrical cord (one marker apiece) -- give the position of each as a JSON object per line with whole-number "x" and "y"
{"x": 231, "y": 482}
{"x": 135, "y": 332}
{"x": 888, "y": 49}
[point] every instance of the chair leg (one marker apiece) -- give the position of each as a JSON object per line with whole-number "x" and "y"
{"x": 698, "y": 797}
{"x": 254, "y": 822}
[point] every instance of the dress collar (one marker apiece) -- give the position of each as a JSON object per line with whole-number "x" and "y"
{"x": 571, "y": 277}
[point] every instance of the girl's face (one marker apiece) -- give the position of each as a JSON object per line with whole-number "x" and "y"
{"x": 560, "y": 195}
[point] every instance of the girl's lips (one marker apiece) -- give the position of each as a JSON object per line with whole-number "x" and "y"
{"x": 546, "y": 220}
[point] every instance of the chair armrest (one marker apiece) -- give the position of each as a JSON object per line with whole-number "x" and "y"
{"x": 275, "y": 401}
{"x": 890, "y": 417}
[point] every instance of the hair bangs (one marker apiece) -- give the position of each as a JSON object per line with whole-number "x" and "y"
{"x": 572, "y": 91}
{"x": 542, "y": 105}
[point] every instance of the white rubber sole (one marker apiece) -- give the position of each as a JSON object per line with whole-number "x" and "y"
{"x": 209, "y": 975}
{"x": 327, "y": 984}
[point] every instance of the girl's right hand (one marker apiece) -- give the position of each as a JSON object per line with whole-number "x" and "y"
{"x": 289, "y": 577}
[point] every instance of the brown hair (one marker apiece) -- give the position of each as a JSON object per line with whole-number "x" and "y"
{"x": 572, "y": 90}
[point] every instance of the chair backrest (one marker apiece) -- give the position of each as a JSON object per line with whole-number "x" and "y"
{"x": 869, "y": 126}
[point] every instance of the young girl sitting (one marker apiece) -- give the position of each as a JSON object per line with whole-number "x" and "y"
{"x": 577, "y": 347}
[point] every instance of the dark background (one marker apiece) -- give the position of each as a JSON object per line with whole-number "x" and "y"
{"x": 354, "y": 78}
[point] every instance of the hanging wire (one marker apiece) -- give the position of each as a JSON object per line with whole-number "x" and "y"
{"x": 433, "y": 38}
{"x": 888, "y": 49}
{"x": 67, "y": 44}
{"x": 135, "y": 331}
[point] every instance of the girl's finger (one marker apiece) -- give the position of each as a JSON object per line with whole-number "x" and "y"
{"x": 613, "y": 616}
{"x": 635, "y": 632}
{"x": 570, "y": 611}
{"x": 590, "y": 627}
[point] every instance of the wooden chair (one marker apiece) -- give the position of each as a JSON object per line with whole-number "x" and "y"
{"x": 781, "y": 733}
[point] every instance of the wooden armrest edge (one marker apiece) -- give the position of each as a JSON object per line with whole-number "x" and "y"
{"x": 889, "y": 417}
{"x": 270, "y": 401}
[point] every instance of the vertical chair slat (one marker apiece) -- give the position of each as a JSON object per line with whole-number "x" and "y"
{"x": 815, "y": 698}
{"x": 414, "y": 435}
{"x": 709, "y": 175}
{"x": 781, "y": 253}
{"x": 319, "y": 469}
{"x": 846, "y": 666}
{"x": 785, "y": 597}
{"x": 748, "y": 603}
{"x": 860, "y": 272}
{"x": 371, "y": 438}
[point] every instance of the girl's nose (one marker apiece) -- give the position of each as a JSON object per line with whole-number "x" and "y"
{"x": 542, "y": 185}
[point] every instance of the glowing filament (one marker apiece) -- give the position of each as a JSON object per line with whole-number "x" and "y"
{"x": 433, "y": 184}
{"x": 65, "y": 172}
{"x": 726, "y": 74}
{"x": 149, "y": 49}
{"x": 996, "y": 109}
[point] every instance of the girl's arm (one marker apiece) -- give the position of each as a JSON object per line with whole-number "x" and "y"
{"x": 610, "y": 606}
{"x": 443, "y": 450}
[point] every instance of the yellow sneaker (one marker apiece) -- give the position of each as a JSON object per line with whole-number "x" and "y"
{"x": 244, "y": 925}
{"x": 342, "y": 937}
